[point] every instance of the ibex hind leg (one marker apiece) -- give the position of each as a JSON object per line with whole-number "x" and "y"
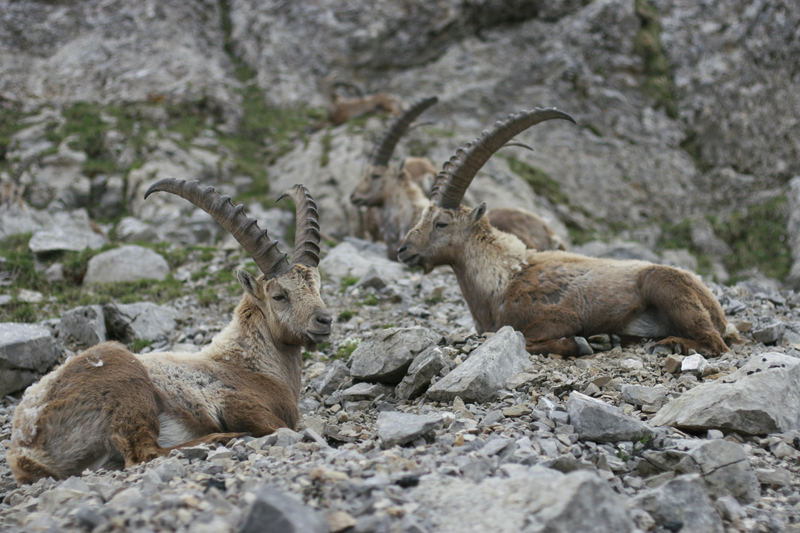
{"x": 695, "y": 317}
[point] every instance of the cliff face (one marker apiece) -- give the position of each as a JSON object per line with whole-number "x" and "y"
{"x": 687, "y": 111}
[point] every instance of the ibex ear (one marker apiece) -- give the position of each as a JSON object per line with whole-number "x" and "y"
{"x": 248, "y": 282}
{"x": 478, "y": 212}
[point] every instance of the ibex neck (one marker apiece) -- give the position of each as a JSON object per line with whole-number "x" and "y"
{"x": 248, "y": 343}
{"x": 484, "y": 268}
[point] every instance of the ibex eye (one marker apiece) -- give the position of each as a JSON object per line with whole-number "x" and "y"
{"x": 279, "y": 297}
{"x": 441, "y": 224}
{"x": 376, "y": 176}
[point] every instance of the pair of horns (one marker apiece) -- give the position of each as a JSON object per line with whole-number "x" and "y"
{"x": 384, "y": 148}
{"x": 256, "y": 242}
{"x": 457, "y": 174}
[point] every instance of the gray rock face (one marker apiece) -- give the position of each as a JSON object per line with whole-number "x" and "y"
{"x": 424, "y": 366}
{"x": 683, "y": 500}
{"x": 598, "y": 421}
{"x": 759, "y": 398}
{"x": 387, "y": 357}
{"x": 395, "y": 427}
{"x": 143, "y": 320}
{"x": 275, "y": 511}
{"x": 84, "y": 326}
{"x": 131, "y": 229}
{"x": 56, "y": 239}
{"x": 343, "y": 261}
{"x": 127, "y": 263}
{"x": 486, "y": 370}
{"x": 331, "y": 378}
{"x": 26, "y": 350}
{"x": 641, "y": 395}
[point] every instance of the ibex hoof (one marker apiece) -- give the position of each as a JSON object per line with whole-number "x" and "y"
{"x": 601, "y": 342}
{"x": 584, "y": 348}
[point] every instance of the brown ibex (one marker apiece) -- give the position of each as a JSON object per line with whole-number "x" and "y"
{"x": 395, "y": 196}
{"x": 110, "y": 407}
{"x": 554, "y": 298}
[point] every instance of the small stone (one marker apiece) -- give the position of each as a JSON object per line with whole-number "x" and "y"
{"x": 770, "y": 333}
{"x": 598, "y": 421}
{"x": 127, "y": 263}
{"x": 339, "y": 521}
{"x": 516, "y": 411}
{"x": 694, "y": 363}
{"x": 672, "y": 363}
{"x": 641, "y": 395}
{"x": 275, "y": 511}
{"x": 395, "y": 427}
{"x": 632, "y": 364}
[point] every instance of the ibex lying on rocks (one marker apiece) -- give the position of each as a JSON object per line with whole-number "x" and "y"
{"x": 554, "y": 298}
{"x": 395, "y": 196}
{"x": 110, "y": 407}
{"x": 344, "y": 109}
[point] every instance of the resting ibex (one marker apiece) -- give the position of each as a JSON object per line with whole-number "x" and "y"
{"x": 554, "y": 298}
{"x": 110, "y": 407}
{"x": 398, "y": 198}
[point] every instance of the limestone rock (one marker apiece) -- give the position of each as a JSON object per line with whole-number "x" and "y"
{"x": 344, "y": 261}
{"x": 424, "y": 366}
{"x": 26, "y": 350}
{"x": 486, "y": 370}
{"x": 759, "y": 398}
{"x": 386, "y": 357}
{"x": 598, "y": 421}
{"x": 143, "y": 320}
{"x": 395, "y": 427}
{"x": 127, "y": 263}
{"x": 683, "y": 500}
{"x": 275, "y": 511}
{"x": 84, "y": 326}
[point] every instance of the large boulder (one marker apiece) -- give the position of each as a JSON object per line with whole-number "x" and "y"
{"x": 759, "y": 398}
{"x": 126, "y": 263}
{"x": 26, "y": 351}
{"x": 598, "y": 421}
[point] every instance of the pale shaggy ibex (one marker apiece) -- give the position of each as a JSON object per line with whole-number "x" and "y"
{"x": 395, "y": 196}
{"x": 344, "y": 109}
{"x": 110, "y": 407}
{"x": 554, "y": 298}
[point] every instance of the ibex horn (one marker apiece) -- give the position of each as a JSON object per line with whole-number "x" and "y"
{"x": 457, "y": 174}
{"x": 383, "y": 149}
{"x": 307, "y": 235}
{"x": 264, "y": 251}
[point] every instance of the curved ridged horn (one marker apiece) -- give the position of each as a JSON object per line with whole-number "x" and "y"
{"x": 462, "y": 167}
{"x": 264, "y": 251}
{"x": 384, "y": 148}
{"x": 306, "y": 235}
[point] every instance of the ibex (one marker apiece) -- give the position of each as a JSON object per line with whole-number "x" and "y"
{"x": 110, "y": 407}
{"x": 398, "y": 198}
{"x": 554, "y": 298}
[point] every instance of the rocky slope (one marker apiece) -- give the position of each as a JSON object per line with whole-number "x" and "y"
{"x": 685, "y": 153}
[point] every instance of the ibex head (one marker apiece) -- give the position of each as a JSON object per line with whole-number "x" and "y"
{"x": 370, "y": 189}
{"x": 445, "y": 225}
{"x": 286, "y": 293}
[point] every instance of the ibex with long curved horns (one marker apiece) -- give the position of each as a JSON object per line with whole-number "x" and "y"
{"x": 395, "y": 196}
{"x": 554, "y": 298}
{"x": 109, "y": 407}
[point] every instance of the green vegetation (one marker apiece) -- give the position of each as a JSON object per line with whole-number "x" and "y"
{"x": 345, "y": 315}
{"x": 139, "y": 344}
{"x": 348, "y": 281}
{"x": 757, "y": 237}
{"x": 369, "y": 299}
{"x": 345, "y": 350}
{"x": 541, "y": 182}
{"x": 10, "y": 123}
{"x": 658, "y": 82}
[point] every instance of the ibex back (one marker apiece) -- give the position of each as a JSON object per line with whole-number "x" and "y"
{"x": 110, "y": 407}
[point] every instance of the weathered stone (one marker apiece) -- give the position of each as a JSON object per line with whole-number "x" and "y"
{"x": 425, "y": 365}
{"x": 769, "y": 333}
{"x": 57, "y": 239}
{"x": 127, "y": 263}
{"x": 759, "y": 398}
{"x": 84, "y": 326}
{"x": 143, "y": 320}
{"x": 672, "y": 363}
{"x": 275, "y": 511}
{"x": 726, "y": 469}
{"x": 598, "y": 421}
{"x": 386, "y": 357}
{"x": 26, "y": 350}
{"x": 694, "y": 363}
{"x": 395, "y": 427}
{"x": 331, "y": 378}
{"x": 345, "y": 261}
{"x": 131, "y": 229}
{"x": 641, "y": 395}
{"x": 486, "y": 370}
{"x": 365, "y": 391}
{"x": 682, "y": 503}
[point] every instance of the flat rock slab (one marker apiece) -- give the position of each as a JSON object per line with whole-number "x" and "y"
{"x": 143, "y": 320}
{"x": 56, "y": 240}
{"x": 126, "y": 263}
{"x": 598, "y": 421}
{"x": 759, "y": 398}
{"x": 26, "y": 350}
{"x": 275, "y": 511}
{"x": 395, "y": 427}
{"x": 487, "y": 369}
{"x": 683, "y": 500}
{"x": 345, "y": 260}
{"x": 386, "y": 357}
